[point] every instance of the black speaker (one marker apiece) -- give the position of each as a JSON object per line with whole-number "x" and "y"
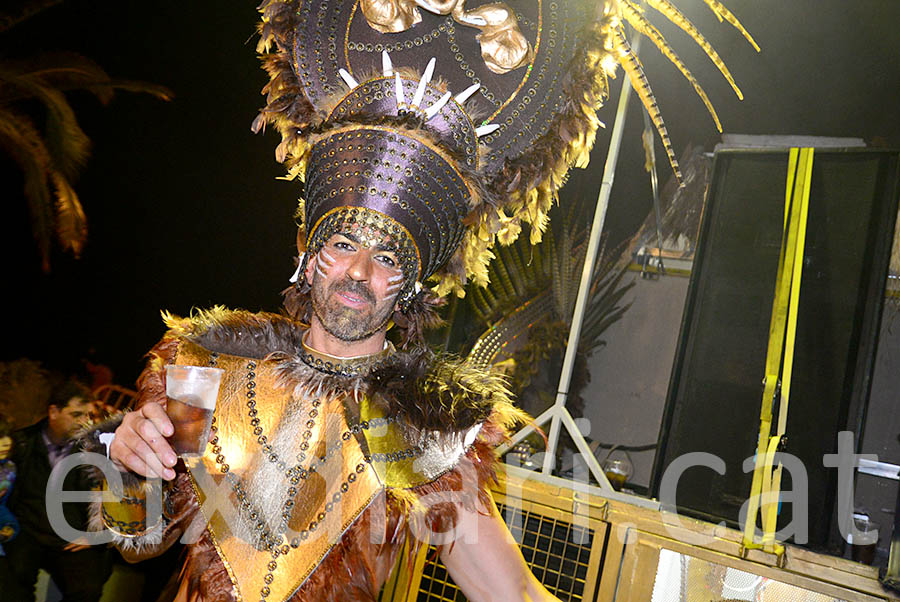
{"x": 715, "y": 391}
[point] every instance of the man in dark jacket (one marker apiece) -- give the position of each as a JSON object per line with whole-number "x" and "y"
{"x": 78, "y": 570}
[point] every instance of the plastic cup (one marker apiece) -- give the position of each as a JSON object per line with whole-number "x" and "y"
{"x": 192, "y": 393}
{"x": 864, "y": 544}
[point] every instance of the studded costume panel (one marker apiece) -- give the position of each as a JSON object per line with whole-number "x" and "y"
{"x": 522, "y": 102}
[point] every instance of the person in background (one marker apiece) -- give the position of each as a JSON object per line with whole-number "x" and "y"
{"x": 78, "y": 570}
{"x": 9, "y": 526}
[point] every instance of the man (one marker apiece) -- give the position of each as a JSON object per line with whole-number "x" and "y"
{"x": 331, "y": 449}
{"x": 352, "y": 300}
{"x": 78, "y": 570}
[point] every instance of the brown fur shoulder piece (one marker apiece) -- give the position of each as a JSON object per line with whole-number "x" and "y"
{"x": 436, "y": 392}
{"x": 237, "y": 332}
{"x": 427, "y": 391}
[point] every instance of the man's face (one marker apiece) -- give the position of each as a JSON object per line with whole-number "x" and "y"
{"x": 354, "y": 286}
{"x": 5, "y": 447}
{"x": 63, "y": 422}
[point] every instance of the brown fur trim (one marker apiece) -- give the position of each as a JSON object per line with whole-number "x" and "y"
{"x": 420, "y": 315}
{"x": 238, "y": 332}
{"x": 151, "y": 382}
{"x": 88, "y": 439}
{"x": 433, "y": 392}
{"x": 427, "y": 391}
{"x": 447, "y": 396}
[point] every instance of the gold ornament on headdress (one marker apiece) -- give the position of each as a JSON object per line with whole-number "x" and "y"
{"x": 537, "y": 74}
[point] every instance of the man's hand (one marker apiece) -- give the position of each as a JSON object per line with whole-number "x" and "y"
{"x": 140, "y": 444}
{"x": 77, "y": 545}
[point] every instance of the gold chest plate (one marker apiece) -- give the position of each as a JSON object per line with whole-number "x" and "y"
{"x": 281, "y": 484}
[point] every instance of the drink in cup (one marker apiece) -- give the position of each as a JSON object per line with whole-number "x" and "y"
{"x": 192, "y": 393}
{"x": 864, "y": 543}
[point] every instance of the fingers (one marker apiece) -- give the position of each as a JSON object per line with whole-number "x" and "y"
{"x": 140, "y": 445}
{"x": 157, "y": 415}
{"x": 152, "y": 430}
{"x": 75, "y": 547}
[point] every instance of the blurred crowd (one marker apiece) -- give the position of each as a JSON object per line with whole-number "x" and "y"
{"x": 41, "y": 413}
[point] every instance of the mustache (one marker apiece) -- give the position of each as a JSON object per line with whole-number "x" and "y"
{"x": 354, "y": 287}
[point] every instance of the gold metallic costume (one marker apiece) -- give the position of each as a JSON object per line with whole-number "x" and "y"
{"x": 304, "y": 446}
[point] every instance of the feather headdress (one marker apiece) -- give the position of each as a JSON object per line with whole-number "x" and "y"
{"x": 446, "y": 166}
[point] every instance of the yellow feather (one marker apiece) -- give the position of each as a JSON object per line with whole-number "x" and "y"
{"x": 671, "y": 12}
{"x": 723, "y": 13}
{"x": 632, "y": 66}
{"x": 641, "y": 24}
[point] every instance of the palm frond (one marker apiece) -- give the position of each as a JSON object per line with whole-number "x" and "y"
{"x": 71, "y": 223}
{"x": 25, "y": 12}
{"x": 57, "y": 152}
{"x": 67, "y": 71}
{"x": 66, "y": 142}
{"x": 24, "y": 144}
{"x": 129, "y": 85}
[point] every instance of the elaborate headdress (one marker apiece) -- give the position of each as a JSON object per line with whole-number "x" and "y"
{"x": 386, "y": 148}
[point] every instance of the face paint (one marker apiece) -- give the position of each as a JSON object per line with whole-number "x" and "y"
{"x": 324, "y": 261}
{"x": 394, "y": 284}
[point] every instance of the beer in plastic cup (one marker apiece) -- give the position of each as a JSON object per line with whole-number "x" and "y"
{"x": 864, "y": 545}
{"x": 192, "y": 393}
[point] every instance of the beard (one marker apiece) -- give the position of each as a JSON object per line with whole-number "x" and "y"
{"x": 347, "y": 323}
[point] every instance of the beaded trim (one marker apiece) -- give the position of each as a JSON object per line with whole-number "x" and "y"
{"x": 274, "y": 540}
{"x": 348, "y": 367}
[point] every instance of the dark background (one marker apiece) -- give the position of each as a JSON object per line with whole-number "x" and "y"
{"x": 183, "y": 203}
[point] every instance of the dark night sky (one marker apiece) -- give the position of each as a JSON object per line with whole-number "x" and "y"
{"x": 182, "y": 199}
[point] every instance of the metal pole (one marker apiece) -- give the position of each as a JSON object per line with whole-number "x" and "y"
{"x": 590, "y": 259}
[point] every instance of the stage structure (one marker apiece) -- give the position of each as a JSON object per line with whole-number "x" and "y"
{"x": 558, "y": 415}
{"x": 585, "y": 546}
{"x": 646, "y": 552}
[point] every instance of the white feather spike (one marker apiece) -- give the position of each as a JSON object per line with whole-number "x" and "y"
{"x": 348, "y": 79}
{"x": 486, "y": 129}
{"x": 398, "y": 91}
{"x": 423, "y": 83}
{"x": 433, "y": 109}
{"x": 467, "y": 93}
{"x": 387, "y": 68}
{"x": 296, "y": 276}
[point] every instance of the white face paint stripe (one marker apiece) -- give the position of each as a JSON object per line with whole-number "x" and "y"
{"x": 395, "y": 278}
{"x": 392, "y": 289}
{"x": 324, "y": 261}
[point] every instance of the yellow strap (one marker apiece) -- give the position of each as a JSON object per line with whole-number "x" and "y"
{"x": 770, "y": 512}
{"x": 773, "y": 358}
{"x": 804, "y": 179}
{"x": 766, "y": 483}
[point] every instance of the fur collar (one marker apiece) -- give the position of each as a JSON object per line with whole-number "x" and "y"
{"x": 429, "y": 392}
